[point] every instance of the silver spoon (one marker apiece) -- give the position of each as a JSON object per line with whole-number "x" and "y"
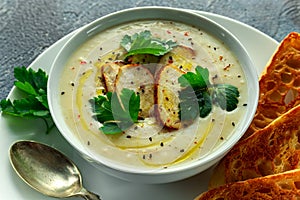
{"x": 47, "y": 170}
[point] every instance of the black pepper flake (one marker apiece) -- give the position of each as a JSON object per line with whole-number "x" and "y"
{"x": 215, "y": 48}
{"x": 167, "y": 99}
{"x": 62, "y": 93}
{"x": 221, "y": 138}
{"x": 150, "y": 155}
{"x": 144, "y": 157}
{"x": 128, "y": 136}
{"x": 100, "y": 48}
{"x": 150, "y": 139}
{"x": 213, "y": 120}
{"x": 88, "y": 143}
{"x": 72, "y": 84}
{"x": 244, "y": 104}
{"x": 131, "y": 82}
{"x": 239, "y": 76}
{"x": 215, "y": 76}
{"x": 181, "y": 150}
{"x": 232, "y": 123}
{"x": 161, "y": 144}
{"x": 135, "y": 128}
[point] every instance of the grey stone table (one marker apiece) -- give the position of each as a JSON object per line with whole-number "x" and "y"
{"x": 29, "y": 27}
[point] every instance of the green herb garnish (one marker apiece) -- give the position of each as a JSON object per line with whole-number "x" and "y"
{"x": 143, "y": 43}
{"x": 199, "y": 95}
{"x": 117, "y": 112}
{"x": 34, "y": 104}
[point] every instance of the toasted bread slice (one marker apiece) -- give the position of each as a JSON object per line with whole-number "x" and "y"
{"x": 279, "y": 84}
{"x": 271, "y": 150}
{"x": 139, "y": 79}
{"x": 180, "y": 56}
{"x": 167, "y": 96}
{"x": 147, "y": 60}
{"x": 273, "y": 187}
{"x": 109, "y": 73}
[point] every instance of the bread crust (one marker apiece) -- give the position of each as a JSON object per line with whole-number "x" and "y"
{"x": 279, "y": 84}
{"x": 274, "y": 149}
{"x": 274, "y": 187}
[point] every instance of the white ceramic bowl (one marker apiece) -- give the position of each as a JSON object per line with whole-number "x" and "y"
{"x": 165, "y": 13}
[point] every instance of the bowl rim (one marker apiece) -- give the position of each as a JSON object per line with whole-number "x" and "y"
{"x": 92, "y": 28}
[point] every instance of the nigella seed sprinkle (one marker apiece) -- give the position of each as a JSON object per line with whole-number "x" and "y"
{"x": 221, "y": 138}
{"x": 88, "y": 143}
{"x": 72, "y": 84}
{"x": 181, "y": 150}
{"x": 128, "y": 136}
{"x": 233, "y": 124}
{"x": 161, "y": 144}
{"x": 62, "y": 93}
{"x": 244, "y": 104}
{"x": 150, "y": 139}
{"x": 144, "y": 157}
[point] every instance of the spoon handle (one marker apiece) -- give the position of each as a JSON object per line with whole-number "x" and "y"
{"x": 87, "y": 195}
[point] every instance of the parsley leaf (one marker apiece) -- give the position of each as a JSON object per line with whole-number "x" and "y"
{"x": 34, "y": 104}
{"x": 198, "y": 95}
{"x": 143, "y": 43}
{"x": 117, "y": 112}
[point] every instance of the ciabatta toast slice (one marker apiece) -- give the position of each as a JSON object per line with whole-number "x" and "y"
{"x": 279, "y": 84}
{"x": 109, "y": 73}
{"x": 167, "y": 96}
{"x": 280, "y": 186}
{"x": 271, "y": 150}
{"x": 139, "y": 79}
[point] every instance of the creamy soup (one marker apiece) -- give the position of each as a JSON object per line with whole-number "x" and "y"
{"x": 147, "y": 144}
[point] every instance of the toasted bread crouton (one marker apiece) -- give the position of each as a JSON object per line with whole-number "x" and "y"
{"x": 273, "y": 187}
{"x": 109, "y": 73}
{"x": 167, "y": 96}
{"x": 274, "y": 149}
{"x": 180, "y": 56}
{"x": 139, "y": 79}
{"x": 279, "y": 84}
{"x": 147, "y": 60}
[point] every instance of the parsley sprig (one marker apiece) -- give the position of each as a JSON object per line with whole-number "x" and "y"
{"x": 198, "y": 95}
{"x": 34, "y": 104}
{"x": 144, "y": 43}
{"x": 117, "y": 112}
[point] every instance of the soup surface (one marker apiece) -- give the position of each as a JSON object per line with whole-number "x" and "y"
{"x": 156, "y": 141}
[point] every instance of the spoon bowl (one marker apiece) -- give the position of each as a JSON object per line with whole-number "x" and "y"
{"x": 47, "y": 170}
